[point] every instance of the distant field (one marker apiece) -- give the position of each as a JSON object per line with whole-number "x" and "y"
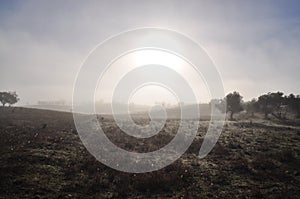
{"x": 43, "y": 157}
{"x": 138, "y": 110}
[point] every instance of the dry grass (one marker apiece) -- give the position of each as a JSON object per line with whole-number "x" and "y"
{"x": 257, "y": 159}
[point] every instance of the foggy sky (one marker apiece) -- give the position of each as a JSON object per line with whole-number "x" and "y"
{"x": 255, "y": 44}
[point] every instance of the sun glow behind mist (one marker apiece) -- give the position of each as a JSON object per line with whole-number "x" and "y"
{"x": 150, "y": 94}
{"x": 159, "y": 57}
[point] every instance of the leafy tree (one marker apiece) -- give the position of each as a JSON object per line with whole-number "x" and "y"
{"x": 3, "y": 98}
{"x": 294, "y": 104}
{"x": 8, "y": 98}
{"x": 233, "y": 103}
{"x": 251, "y": 107}
{"x": 272, "y": 103}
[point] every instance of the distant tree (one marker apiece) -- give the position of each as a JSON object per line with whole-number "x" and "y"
{"x": 3, "y": 98}
{"x": 13, "y": 98}
{"x": 8, "y": 98}
{"x": 264, "y": 105}
{"x": 233, "y": 103}
{"x": 272, "y": 103}
{"x": 251, "y": 107}
{"x": 294, "y": 104}
{"x": 220, "y": 104}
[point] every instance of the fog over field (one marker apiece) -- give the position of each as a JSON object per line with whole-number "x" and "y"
{"x": 255, "y": 45}
{"x": 149, "y": 99}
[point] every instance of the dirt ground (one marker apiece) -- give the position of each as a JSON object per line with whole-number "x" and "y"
{"x": 43, "y": 157}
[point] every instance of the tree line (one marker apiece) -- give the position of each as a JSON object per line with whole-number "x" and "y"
{"x": 273, "y": 103}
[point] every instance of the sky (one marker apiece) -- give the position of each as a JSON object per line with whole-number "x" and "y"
{"x": 254, "y": 44}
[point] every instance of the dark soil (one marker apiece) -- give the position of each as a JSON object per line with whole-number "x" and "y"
{"x": 43, "y": 157}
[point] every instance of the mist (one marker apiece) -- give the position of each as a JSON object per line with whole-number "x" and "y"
{"x": 255, "y": 46}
